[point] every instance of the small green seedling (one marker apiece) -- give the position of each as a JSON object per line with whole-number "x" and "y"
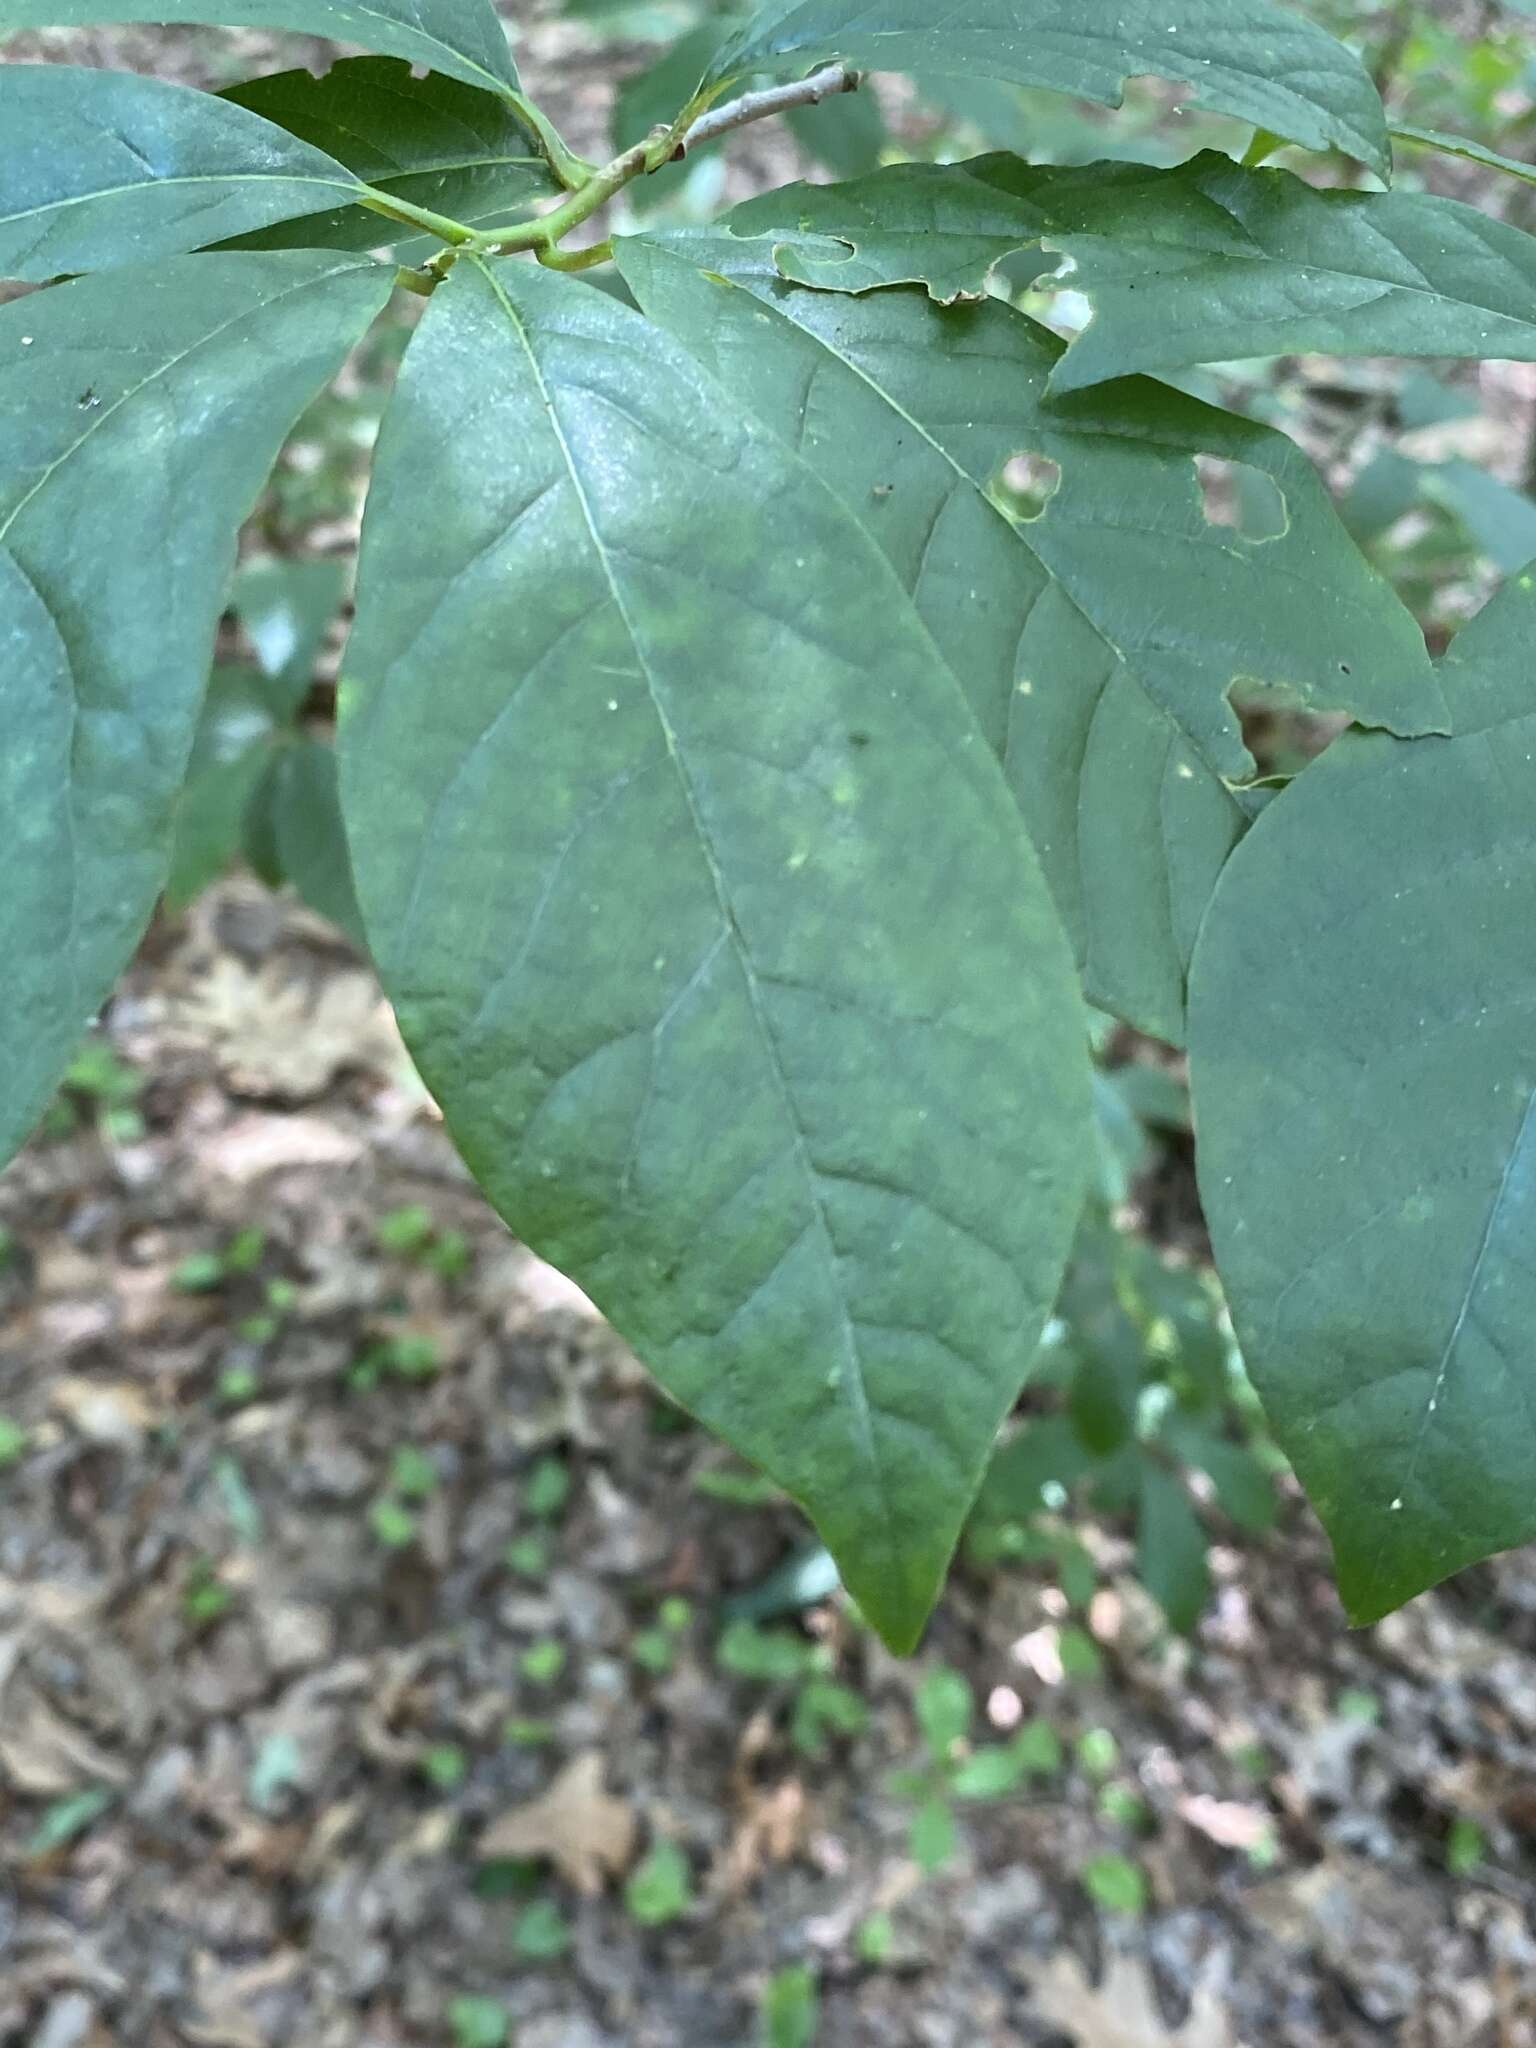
{"x": 541, "y": 1933}
{"x": 660, "y": 1888}
{"x": 525, "y": 1731}
{"x": 14, "y": 1442}
{"x": 822, "y": 1707}
{"x": 475, "y": 2022}
{"x": 1354, "y": 1703}
{"x": 404, "y": 1232}
{"x": 955, "y": 1770}
{"x": 528, "y": 1556}
{"x": 444, "y": 1766}
{"x": 66, "y": 1819}
{"x": 1098, "y": 1753}
{"x": 393, "y": 1526}
{"x": 412, "y": 1474}
{"x": 874, "y": 1939}
{"x": 199, "y": 1273}
{"x": 404, "y": 1355}
{"x": 791, "y": 2009}
{"x": 102, "y": 1087}
{"x": 542, "y": 1662}
{"x": 655, "y": 1649}
{"x": 1466, "y": 1847}
{"x": 1115, "y": 1883}
{"x": 547, "y": 1489}
{"x": 205, "y": 1599}
{"x": 238, "y": 1385}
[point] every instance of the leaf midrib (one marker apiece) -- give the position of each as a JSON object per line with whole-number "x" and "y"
{"x": 852, "y": 1378}
{"x": 348, "y": 184}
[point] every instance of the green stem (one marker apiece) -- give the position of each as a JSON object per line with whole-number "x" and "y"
{"x": 572, "y": 170}
{"x": 415, "y": 216}
{"x": 1262, "y": 147}
{"x": 577, "y": 259}
{"x": 542, "y": 234}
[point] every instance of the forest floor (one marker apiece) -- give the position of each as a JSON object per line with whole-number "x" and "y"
{"x": 367, "y": 1669}
{"x": 361, "y": 1613}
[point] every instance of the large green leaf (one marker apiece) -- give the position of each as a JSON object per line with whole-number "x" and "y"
{"x": 434, "y": 141}
{"x": 1363, "y": 1040}
{"x": 139, "y": 414}
{"x": 1244, "y": 57}
{"x": 706, "y": 912}
{"x": 462, "y": 37}
{"x": 1098, "y": 640}
{"x": 1202, "y": 263}
{"x": 101, "y": 168}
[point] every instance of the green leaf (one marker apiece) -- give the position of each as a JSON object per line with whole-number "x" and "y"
{"x": 461, "y": 37}
{"x": 1212, "y": 261}
{"x": 791, "y": 2009}
{"x": 932, "y": 1835}
{"x": 651, "y": 97}
{"x": 433, "y": 142}
{"x": 660, "y": 1888}
{"x": 1105, "y": 1386}
{"x": 944, "y": 1705}
{"x": 947, "y": 226}
{"x": 1499, "y": 519}
{"x": 1365, "y": 1090}
{"x": 1460, "y": 145}
{"x": 286, "y": 609}
{"x": 1096, "y": 636}
{"x": 101, "y": 168}
{"x": 1248, "y": 58}
{"x": 1171, "y": 1549}
{"x": 230, "y": 755}
{"x": 1202, "y": 263}
{"x": 307, "y": 835}
{"x": 991, "y": 1772}
{"x": 1245, "y": 1486}
{"x": 708, "y": 1026}
{"x": 1116, "y": 1883}
{"x": 845, "y": 134}
{"x": 157, "y": 398}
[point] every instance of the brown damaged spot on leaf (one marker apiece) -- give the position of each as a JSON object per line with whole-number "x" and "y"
{"x": 585, "y": 1832}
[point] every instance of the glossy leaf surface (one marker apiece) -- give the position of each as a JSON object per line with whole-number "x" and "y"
{"x": 706, "y": 912}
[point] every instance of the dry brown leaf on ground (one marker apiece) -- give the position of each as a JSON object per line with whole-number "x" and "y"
{"x": 769, "y": 1831}
{"x": 1121, "y": 2011}
{"x": 116, "y": 1413}
{"x": 584, "y": 1831}
{"x": 275, "y": 1035}
{"x": 42, "y": 1755}
{"x": 1227, "y": 1822}
{"x": 260, "y": 1143}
